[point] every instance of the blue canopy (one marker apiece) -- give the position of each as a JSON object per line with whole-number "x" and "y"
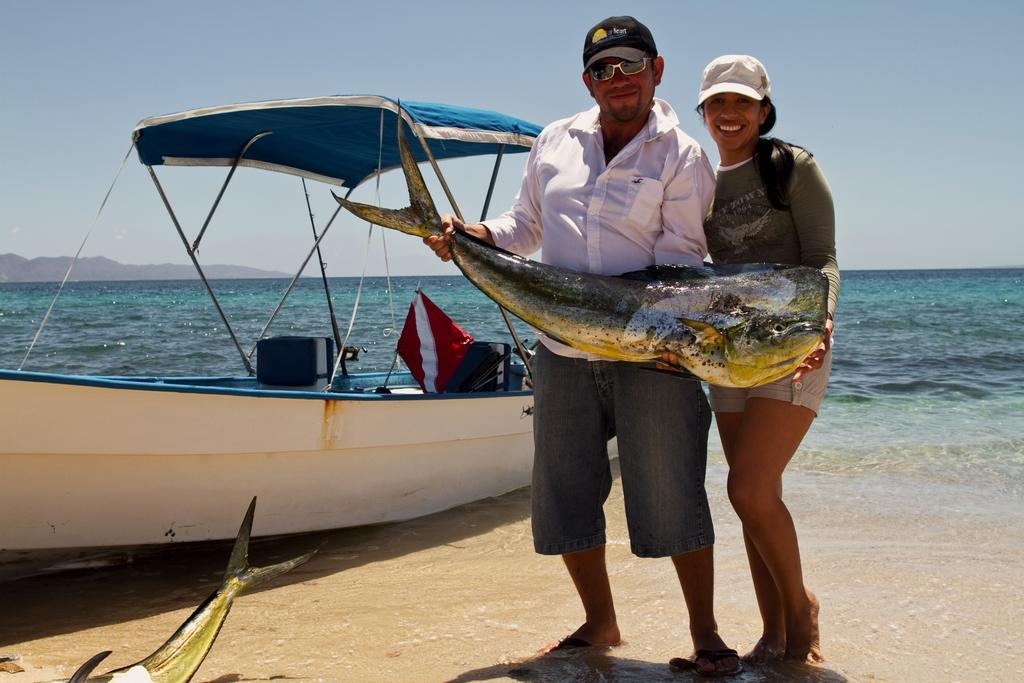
{"x": 341, "y": 140}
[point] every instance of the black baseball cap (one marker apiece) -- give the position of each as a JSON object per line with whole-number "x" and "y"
{"x": 623, "y": 37}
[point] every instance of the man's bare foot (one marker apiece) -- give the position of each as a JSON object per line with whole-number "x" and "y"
{"x": 803, "y": 642}
{"x": 587, "y": 635}
{"x": 768, "y": 648}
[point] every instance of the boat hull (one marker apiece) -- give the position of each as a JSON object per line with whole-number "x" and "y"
{"x": 99, "y": 462}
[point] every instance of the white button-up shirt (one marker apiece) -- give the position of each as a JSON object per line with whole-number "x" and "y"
{"x": 644, "y": 207}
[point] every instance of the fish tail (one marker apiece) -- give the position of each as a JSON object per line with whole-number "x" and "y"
{"x": 254, "y": 576}
{"x": 184, "y": 651}
{"x": 420, "y": 218}
{"x": 238, "y": 565}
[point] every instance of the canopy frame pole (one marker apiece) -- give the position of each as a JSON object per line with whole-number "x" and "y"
{"x": 494, "y": 179}
{"x": 231, "y": 173}
{"x": 295, "y": 279}
{"x": 323, "y": 276}
{"x": 199, "y": 269}
{"x": 455, "y": 207}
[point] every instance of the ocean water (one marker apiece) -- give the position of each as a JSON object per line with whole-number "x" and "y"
{"x": 927, "y": 383}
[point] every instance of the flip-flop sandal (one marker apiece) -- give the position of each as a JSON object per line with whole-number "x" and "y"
{"x": 712, "y": 657}
{"x": 570, "y": 643}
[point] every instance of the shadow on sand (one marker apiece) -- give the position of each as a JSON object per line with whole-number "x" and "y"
{"x": 600, "y": 664}
{"x": 166, "y": 578}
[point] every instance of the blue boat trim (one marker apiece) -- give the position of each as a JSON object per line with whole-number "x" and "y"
{"x": 208, "y": 385}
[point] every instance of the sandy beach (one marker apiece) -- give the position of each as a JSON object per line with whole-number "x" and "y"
{"x": 918, "y": 581}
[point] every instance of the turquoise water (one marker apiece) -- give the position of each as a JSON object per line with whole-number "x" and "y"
{"x": 928, "y": 378}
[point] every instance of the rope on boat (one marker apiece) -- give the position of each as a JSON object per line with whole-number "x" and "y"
{"x": 383, "y": 233}
{"x": 42, "y": 323}
{"x": 366, "y": 260}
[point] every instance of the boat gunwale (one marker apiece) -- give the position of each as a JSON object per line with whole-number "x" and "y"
{"x": 182, "y": 385}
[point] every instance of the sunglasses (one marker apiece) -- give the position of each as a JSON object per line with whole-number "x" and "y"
{"x": 603, "y": 72}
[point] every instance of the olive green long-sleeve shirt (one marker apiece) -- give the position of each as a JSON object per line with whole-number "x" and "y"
{"x": 743, "y": 226}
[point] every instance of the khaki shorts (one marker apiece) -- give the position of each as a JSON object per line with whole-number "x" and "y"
{"x": 808, "y": 392}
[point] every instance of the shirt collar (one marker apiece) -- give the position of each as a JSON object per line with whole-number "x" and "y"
{"x": 662, "y": 119}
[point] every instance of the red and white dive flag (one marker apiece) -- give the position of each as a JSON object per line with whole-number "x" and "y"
{"x": 431, "y": 344}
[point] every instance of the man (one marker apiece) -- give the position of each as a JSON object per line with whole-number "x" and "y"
{"x": 613, "y": 189}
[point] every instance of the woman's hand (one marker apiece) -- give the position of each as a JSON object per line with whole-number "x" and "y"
{"x": 817, "y": 357}
{"x": 442, "y": 244}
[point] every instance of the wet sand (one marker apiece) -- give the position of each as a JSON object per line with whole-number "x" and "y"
{"x": 919, "y": 581}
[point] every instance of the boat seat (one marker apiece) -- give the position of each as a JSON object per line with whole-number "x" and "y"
{"x": 485, "y": 367}
{"x": 294, "y": 361}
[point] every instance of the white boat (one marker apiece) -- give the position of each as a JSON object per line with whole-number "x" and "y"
{"x": 100, "y": 462}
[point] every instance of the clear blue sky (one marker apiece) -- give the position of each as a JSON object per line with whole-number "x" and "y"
{"x": 912, "y": 110}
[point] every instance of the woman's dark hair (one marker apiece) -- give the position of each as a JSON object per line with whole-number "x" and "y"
{"x": 774, "y": 160}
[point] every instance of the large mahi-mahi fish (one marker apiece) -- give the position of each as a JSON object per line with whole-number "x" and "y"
{"x": 737, "y": 326}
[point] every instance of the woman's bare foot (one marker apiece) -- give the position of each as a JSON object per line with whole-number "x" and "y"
{"x": 768, "y": 648}
{"x": 803, "y": 637}
{"x": 814, "y": 654}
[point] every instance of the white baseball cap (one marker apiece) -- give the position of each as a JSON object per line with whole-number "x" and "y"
{"x": 735, "y": 73}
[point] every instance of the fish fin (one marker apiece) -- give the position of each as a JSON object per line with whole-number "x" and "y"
{"x": 254, "y": 576}
{"x": 419, "y": 196}
{"x": 705, "y": 333}
{"x": 680, "y": 273}
{"x": 239, "y": 561}
{"x": 420, "y": 218}
{"x": 726, "y": 269}
{"x": 404, "y": 220}
{"x": 83, "y": 671}
{"x": 238, "y": 565}
{"x": 670, "y": 273}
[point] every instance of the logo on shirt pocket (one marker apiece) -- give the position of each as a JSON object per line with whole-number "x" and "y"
{"x": 643, "y": 203}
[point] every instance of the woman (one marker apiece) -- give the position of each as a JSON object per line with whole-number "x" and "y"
{"x": 772, "y": 204}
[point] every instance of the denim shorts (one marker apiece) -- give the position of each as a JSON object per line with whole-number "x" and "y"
{"x": 661, "y": 421}
{"x": 808, "y": 392}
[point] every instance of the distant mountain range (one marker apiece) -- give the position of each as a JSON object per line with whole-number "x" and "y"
{"x": 14, "y": 268}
